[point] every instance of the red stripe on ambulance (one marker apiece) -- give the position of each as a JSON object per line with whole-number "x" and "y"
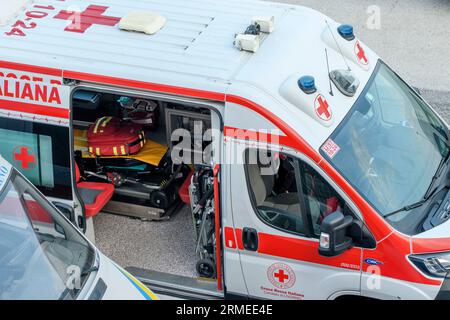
{"x": 394, "y": 266}
{"x": 34, "y": 109}
{"x": 428, "y": 245}
{"x": 135, "y": 84}
{"x": 31, "y": 68}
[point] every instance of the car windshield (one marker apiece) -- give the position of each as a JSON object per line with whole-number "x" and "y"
{"x": 42, "y": 256}
{"x": 390, "y": 145}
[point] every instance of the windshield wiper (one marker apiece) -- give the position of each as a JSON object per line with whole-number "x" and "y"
{"x": 95, "y": 266}
{"x": 430, "y": 190}
{"x": 89, "y": 270}
{"x": 407, "y": 208}
{"x": 437, "y": 175}
{"x": 443, "y": 130}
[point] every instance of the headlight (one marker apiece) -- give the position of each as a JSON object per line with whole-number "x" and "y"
{"x": 435, "y": 264}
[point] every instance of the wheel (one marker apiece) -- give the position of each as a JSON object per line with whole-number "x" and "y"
{"x": 206, "y": 268}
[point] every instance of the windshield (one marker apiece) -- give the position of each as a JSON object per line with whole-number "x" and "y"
{"x": 390, "y": 145}
{"x": 42, "y": 256}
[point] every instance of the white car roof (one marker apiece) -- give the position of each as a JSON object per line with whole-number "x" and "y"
{"x": 193, "y": 50}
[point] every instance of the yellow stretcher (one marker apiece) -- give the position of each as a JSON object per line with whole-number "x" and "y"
{"x": 152, "y": 152}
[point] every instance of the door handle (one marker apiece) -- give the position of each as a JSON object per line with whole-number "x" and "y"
{"x": 250, "y": 239}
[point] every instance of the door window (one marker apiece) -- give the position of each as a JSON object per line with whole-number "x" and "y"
{"x": 321, "y": 199}
{"x": 40, "y": 152}
{"x": 289, "y": 194}
{"x": 31, "y": 154}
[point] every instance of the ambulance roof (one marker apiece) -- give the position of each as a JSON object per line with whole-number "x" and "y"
{"x": 197, "y": 39}
{"x": 193, "y": 50}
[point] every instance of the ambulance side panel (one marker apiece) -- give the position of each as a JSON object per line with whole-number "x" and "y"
{"x": 236, "y": 118}
{"x": 233, "y": 277}
{"x": 284, "y": 266}
{"x": 307, "y": 275}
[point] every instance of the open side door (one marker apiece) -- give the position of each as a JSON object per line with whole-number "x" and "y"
{"x": 35, "y": 134}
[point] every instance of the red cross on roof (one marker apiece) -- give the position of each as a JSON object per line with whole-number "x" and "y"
{"x": 25, "y": 157}
{"x": 322, "y": 108}
{"x": 361, "y": 54}
{"x": 81, "y": 21}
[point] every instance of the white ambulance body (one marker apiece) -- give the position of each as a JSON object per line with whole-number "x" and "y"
{"x": 355, "y": 207}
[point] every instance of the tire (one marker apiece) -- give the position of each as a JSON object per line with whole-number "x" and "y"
{"x": 206, "y": 268}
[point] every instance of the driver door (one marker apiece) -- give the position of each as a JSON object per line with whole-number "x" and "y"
{"x": 277, "y": 226}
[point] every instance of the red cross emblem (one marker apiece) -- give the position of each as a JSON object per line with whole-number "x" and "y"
{"x": 25, "y": 156}
{"x": 361, "y": 54}
{"x": 281, "y": 276}
{"x": 322, "y": 107}
{"x": 81, "y": 21}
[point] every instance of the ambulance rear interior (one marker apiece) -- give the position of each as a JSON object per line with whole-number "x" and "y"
{"x": 146, "y": 224}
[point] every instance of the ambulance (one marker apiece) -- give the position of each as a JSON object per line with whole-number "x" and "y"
{"x": 45, "y": 257}
{"x": 310, "y": 168}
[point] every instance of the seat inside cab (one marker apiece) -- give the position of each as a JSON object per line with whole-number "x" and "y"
{"x": 277, "y": 192}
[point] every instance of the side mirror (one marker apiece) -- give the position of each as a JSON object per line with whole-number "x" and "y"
{"x": 333, "y": 238}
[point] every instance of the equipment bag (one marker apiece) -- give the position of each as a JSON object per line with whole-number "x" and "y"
{"x": 109, "y": 136}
